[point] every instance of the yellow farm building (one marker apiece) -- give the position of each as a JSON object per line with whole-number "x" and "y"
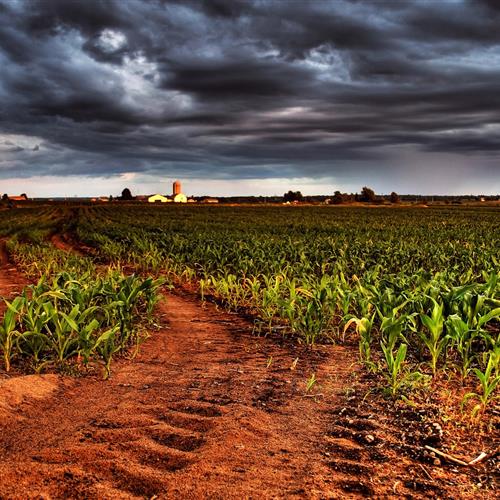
{"x": 180, "y": 198}
{"x": 158, "y": 198}
{"x": 177, "y": 195}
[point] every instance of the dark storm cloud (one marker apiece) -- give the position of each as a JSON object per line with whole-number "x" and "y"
{"x": 242, "y": 89}
{"x": 473, "y": 22}
{"x": 240, "y": 79}
{"x": 90, "y": 17}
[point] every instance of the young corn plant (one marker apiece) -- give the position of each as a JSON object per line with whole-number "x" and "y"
{"x": 106, "y": 346}
{"x": 462, "y": 340}
{"x": 364, "y": 329}
{"x": 8, "y": 331}
{"x": 489, "y": 381}
{"x": 435, "y": 340}
{"x": 87, "y": 336}
{"x": 62, "y": 331}
{"x": 311, "y": 382}
{"x": 396, "y": 373}
{"x": 313, "y": 318}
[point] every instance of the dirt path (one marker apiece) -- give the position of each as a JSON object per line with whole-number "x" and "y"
{"x": 198, "y": 413}
{"x": 63, "y": 242}
{"x": 11, "y": 280}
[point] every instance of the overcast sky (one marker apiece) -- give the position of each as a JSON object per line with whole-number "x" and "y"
{"x": 252, "y": 97}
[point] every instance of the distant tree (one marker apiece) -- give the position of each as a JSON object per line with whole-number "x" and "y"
{"x": 367, "y": 195}
{"x": 7, "y": 201}
{"x": 127, "y": 195}
{"x": 338, "y": 198}
{"x": 293, "y": 196}
{"x": 394, "y": 198}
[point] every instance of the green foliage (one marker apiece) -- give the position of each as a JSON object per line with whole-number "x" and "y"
{"x": 435, "y": 340}
{"x": 8, "y": 332}
{"x": 489, "y": 380}
{"x": 58, "y": 321}
{"x": 418, "y": 287}
{"x": 74, "y": 313}
{"x": 364, "y": 328}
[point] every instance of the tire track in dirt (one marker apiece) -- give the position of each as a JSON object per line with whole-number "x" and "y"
{"x": 198, "y": 413}
{"x": 66, "y": 243}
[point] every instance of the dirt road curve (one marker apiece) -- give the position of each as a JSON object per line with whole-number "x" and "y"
{"x": 198, "y": 413}
{"x": 11, "y": 280}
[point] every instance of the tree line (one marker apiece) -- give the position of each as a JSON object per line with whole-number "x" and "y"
{"x": 367, "y": 195}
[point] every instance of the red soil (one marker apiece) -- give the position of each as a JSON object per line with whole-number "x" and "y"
{"x": 11, "y": 280}
{"x": 64, "y": 242}
{"x": 197, "y": 413}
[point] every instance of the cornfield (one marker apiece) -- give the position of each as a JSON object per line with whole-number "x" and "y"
{"x": 418, "y": 289}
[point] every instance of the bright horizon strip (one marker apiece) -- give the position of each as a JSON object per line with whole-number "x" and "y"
{"x": 84, "y": 186}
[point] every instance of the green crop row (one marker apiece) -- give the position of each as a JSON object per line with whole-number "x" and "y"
{"x": 65, "y": 321}
{"x": 75, "y": 316}
{"x": 420, "y": 288}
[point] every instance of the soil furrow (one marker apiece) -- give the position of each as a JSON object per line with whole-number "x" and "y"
{"x": 176, "y": 422}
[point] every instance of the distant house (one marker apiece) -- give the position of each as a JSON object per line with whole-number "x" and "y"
{"x": 210, "y": 200}
{"x": 180, "y": 198}
{"x": 158, "y": 198}
{"x": 21, "y": 197}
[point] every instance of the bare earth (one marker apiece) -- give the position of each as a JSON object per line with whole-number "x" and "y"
{"x": 206, "y": 410}
{"x": 197, "y": 413}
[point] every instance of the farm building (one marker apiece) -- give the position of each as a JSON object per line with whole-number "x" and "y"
{"x": 180, "y": 198}
{"x": 158, "y": 198}
{"x": 177, "y": 195}
{"x": 21, "y": 197}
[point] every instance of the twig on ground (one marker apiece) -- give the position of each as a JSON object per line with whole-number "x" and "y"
{"x": 449, "y": 457}
{"x": 426, "y": 472}
{"x": 482, "y": 456}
